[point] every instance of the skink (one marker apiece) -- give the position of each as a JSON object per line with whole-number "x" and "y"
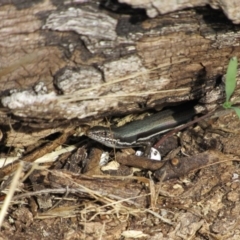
{"x": 140, "y": 132}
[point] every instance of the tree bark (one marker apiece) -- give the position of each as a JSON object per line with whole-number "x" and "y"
{"x": 82, "y": 61}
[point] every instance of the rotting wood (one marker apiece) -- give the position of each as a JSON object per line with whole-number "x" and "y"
{"x": 110, "y": 187}
{"x": 144, "y": 63}
{"x": 154, "y": 7}
{"x": 49, "y": 147}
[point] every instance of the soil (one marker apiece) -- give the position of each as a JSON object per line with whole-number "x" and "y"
{"x": 72, "y": 198}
